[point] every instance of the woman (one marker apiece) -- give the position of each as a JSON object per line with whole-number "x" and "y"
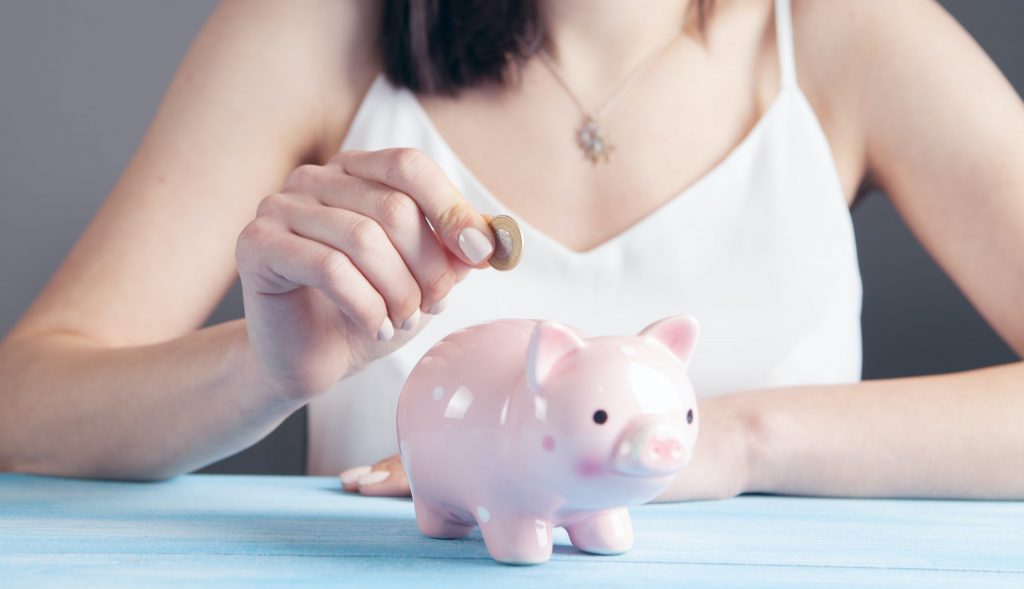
{"x": 742, "y": 132}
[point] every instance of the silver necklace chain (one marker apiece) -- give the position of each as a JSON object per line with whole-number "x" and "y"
{"x": 591, "y": 136}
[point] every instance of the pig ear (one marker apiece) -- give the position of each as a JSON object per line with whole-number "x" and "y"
{"x": 549, "y": 343}
{"x": 678, "y": 334}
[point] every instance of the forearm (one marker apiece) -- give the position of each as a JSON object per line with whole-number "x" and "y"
{"x": 68, "y": 407}
{"x": 956, "y": 435}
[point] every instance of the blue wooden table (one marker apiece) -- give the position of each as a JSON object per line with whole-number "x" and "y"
{"x": 235, "y": 531}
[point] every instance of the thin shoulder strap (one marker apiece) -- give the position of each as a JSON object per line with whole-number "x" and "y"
{"x": 784, "y": 42}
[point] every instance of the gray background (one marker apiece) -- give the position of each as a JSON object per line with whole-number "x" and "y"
{"x": 79, "y": 82}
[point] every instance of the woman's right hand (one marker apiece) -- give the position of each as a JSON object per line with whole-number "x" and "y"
{"x": 339, "y": 268}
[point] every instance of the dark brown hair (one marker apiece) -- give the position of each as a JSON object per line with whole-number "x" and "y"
{"x": 442, "y": 46}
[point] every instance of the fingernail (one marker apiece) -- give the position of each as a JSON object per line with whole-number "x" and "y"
{"x": 438, "y": 306}
{"x": 386, "y": 330}
{"x": 475, "y": 245}
{"x": 374, "y": 477}
{"x": 411, "y": 321}
{"x": 352, "y": 475}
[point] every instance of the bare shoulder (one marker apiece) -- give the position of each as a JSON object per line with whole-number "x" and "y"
{"x": 842, "y": 41}
{"x": 319, "y": 55}
{"x": 848, "y": 51}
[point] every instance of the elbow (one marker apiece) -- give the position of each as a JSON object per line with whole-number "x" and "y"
{"x": 95, "y": 471}
{"x": 45, "y": 433}
{"x": 148, "y": 475}
{"x": 29, "y": 442}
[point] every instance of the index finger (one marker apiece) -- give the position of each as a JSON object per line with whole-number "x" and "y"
{"x": 461, "y": 229}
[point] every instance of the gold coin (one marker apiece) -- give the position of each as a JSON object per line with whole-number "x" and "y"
{"x": 508, "y": 242}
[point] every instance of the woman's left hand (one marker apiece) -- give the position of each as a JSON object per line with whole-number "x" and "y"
{"x": 719, "y": 469}
{"x": 384, "y": 479}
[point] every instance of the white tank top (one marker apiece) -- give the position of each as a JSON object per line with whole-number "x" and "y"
{"x": 760, "y": 250}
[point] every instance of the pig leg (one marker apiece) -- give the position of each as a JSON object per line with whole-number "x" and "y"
{"x": 604, "y": 532}
{"x": 516, "y": 539}
{"x": 437, "y": 523}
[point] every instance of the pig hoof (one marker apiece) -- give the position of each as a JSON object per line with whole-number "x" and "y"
{"x": 436, "y": 523}
{"x": 608, "y": 532}
{"x": 517, "y": 540}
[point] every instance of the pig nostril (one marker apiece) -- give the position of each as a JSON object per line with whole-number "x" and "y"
{"x": 665, "y": 450}
{"x": 652, "y": 449}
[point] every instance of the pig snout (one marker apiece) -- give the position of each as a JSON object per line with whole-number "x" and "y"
{"x": 651, "y": 447}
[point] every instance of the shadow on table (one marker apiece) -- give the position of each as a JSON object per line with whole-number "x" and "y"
{"x": 563, "y": 548}
{"x": 324, "y": 535}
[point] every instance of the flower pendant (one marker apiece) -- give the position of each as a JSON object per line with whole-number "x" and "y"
{"x": 594, "y": 142}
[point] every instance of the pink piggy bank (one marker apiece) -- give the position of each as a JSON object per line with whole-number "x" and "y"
{"x": 517, "y": 426}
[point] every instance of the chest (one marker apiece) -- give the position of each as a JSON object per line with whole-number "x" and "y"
{"x": 524, "y": 148}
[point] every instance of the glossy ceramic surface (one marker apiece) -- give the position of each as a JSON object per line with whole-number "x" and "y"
{"x": 519, "y": 425}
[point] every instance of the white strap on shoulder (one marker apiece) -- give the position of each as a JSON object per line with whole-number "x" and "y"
{"x": 784, "y": 42}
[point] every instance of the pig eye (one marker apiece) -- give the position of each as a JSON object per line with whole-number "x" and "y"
{"x": 600, "y": 416}
{"x": 689, "y": 416}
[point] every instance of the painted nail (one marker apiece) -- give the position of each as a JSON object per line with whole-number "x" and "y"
{"x": 438, "y": 306}
{"x": 475, "y": 245}
{"x": 411, "y": 321}
{"x": 374, "y": 477}
{"x": 386, "y": 330}
{"x": 352, "y": 475}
